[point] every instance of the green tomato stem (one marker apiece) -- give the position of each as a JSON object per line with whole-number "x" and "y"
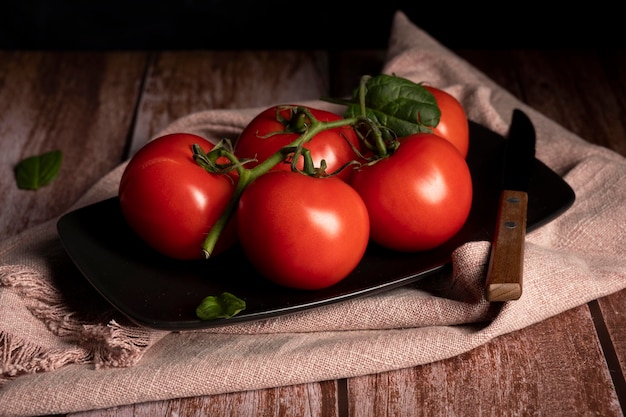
{"x": 247, "y": 176}
{"x": 379, "y": 143}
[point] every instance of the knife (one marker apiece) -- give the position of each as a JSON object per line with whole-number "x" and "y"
{"x": 506, "y": 263}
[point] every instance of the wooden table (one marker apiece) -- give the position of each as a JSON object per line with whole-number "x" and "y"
{"x": 98, "y": 107}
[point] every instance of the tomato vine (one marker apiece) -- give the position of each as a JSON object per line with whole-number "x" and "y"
{"x": 382, "y": 108}
{"x": 384, "y": 113}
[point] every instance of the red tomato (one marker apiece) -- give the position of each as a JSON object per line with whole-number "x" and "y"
{"x": 300, "y": 231}
{"x": 331, "y": 145}
{"x": 453, "y": 124}
{"x": 418, "y": 197}
{"x": 170, "y": 201}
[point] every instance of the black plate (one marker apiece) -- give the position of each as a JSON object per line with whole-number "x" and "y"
{"x": 162, "y": 293}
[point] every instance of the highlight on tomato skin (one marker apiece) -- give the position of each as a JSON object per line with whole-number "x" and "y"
{"x": 170, "y": 201}
{"x": 302, "y": 232}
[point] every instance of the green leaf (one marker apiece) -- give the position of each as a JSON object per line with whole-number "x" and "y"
{"x": 398, "y": 104}
{"x": 224, "y": 306}
{"x": 35, "y": 172}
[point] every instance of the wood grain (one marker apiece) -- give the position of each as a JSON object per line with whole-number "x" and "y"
{"x": 79, "y": 103}
{"x": 613, "y": 309}
{"x": 306, "y": 400}
{"x": 505, "y": 272}
{"x": 552, "y": 368}
{"x": 584, "y": 90}
{"x": 182, "y": 82}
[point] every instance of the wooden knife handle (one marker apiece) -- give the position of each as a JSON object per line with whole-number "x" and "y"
{"x": 505, "y": 270}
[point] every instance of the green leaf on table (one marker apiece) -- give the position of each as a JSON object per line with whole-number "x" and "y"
{"x": 37, "y": 171}
{"x": 223, "y": 306}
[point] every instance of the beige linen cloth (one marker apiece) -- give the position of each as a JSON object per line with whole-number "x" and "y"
{"x": 58, "y": 356}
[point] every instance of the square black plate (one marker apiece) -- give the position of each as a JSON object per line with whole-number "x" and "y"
{"x": 161, "y": 293}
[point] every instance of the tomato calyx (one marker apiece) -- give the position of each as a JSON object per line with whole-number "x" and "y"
{"x": 214, "y": 161}
{"x": 298, "y": 121}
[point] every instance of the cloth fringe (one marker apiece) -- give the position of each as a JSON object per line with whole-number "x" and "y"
{"x": 19, "y": 357}
{"x": 105, "y": 345}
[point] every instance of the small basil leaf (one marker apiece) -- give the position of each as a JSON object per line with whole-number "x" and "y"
{"x": 224, "y": 306}
{"x": 37, "y": 171}
{"x": 399, "y": 104}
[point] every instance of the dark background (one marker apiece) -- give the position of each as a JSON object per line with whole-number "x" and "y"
{"x": 275, "y": 24}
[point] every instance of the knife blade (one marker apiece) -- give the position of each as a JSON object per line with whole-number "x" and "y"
{"x": 506, "y": 263}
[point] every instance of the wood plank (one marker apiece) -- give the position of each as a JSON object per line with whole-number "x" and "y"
{"x": 584, "y": 90}
{"x": 78, "y": 102}
{"x": 182, "y": 82}
{"x": 306, "y": 400}
{"x": 613, "y": 310}
{"x": 550, "y": 368}
{"x": 574, "y": 89}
